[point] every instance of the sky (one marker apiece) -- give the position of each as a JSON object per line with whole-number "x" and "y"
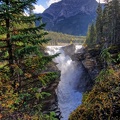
{"x": 44, "y": 4}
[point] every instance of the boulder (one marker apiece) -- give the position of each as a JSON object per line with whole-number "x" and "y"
{"x": 69, "y": 50}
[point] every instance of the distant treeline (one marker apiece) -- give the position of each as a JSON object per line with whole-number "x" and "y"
{"x": 60, "y": 38}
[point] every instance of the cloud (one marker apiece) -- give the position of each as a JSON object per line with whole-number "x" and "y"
{"x": 101, "y": 1}
{"x": 38, "y": 9}
{"x": 52, "y": 1}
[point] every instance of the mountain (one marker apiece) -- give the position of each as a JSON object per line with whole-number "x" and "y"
{"x": 70, "y": 16}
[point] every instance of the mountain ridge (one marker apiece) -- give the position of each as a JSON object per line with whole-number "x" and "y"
{"x": 71, "y": 17}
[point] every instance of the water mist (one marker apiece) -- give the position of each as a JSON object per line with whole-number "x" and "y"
{"x": 69, "y": 98}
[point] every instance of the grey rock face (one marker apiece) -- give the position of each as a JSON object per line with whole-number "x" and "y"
{"x": 69, "y": 50}
{"x": 68, "y": 8}
{"x": 70, "y": 16}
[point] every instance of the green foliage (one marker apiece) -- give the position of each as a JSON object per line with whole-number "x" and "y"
{"x": 47, "y": 77}
{"x": 91, "y": 36}
{"x": 45, "y": 117}
{"x": 106, "y": 56}
{"x": 110, "y": 56}
{"x": 111, "y": 21}
{"x": 106, "y": 26}
{"x": 22, "y": 62}
{"x": 51, "y": 116}
{"x": 42, "y": 95}
{"x": 103, "y": 101}
{"x": 99, "y": 24}
{"x": 118, "y": 59}
{"x": 103, "y": 74}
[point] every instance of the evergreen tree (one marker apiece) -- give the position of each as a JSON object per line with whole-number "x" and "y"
{"x": 91, "y": 36}
{"x": 99, "y": 24}
{"x": 105, "y": 23}
{"x": 115, "y": 21}
{"x": 111, "y": 22}
{"x": 22, "y": 60}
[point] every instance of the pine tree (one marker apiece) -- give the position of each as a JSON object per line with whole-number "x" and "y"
{"x": 111, "y": 22}
{"x": 99, "y": 24}
{"x": 22, "y": 59}
{"x": 115, "y": 21}
{"x": 91, "y": 36}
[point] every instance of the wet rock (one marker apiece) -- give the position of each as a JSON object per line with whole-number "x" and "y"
{"x": 89, "y": 63}
{"x": 77, "y": 57}
{"x": 85, "y": 82}
{"x": 69, "y": 50}
{"x": 91, "y": 67}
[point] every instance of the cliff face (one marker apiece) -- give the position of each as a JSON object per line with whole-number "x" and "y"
{"x": 70, "y": 16}
{"x": 68, "y": 8}
{"x": 91, "y": 66}
{"x": 91, "y": 62}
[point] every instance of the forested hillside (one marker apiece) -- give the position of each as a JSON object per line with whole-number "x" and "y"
{"x": 57, "y": 38}
{"x": 102, "y": 102}
{"x": 106, "y": 30}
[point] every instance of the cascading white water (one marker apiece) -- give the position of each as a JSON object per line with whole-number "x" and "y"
{"x": 68, "y": 96}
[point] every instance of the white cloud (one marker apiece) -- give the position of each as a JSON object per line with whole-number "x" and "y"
{"x": 38, "y": 9}
{"x": 101, "y": 1}
{"x": 52, "y": 1}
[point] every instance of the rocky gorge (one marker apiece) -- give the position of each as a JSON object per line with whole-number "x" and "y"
{"x": 78, "y": 87}
{"x": 87, "y": 68}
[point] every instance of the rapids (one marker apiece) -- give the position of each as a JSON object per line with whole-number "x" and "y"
{"x": 69, "y": 98}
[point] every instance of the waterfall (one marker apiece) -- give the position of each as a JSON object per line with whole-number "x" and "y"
{"x": 69, "y": 97}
